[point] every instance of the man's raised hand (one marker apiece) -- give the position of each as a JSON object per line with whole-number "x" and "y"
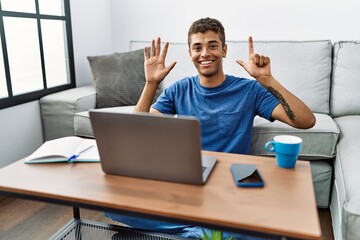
{"x": 155, "y": 69}
{"x": 258, "y": 65}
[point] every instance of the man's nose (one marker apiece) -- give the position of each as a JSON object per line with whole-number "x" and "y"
{"x": 205, "y": 52}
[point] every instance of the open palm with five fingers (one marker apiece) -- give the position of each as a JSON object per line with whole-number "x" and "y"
{"x": 258, "y": 65}
{"x": 155, "y": 69}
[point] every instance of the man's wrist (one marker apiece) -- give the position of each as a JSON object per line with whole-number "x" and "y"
{"x": 266, "y": 81}
{"x": 152, "y": 84}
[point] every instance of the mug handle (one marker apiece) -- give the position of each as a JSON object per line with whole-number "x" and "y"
{"x": 270, "y": 146}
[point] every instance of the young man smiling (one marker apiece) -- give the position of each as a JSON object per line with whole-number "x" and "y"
{"x": 225, "y": 105}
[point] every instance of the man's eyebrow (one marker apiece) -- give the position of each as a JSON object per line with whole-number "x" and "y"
{"x": 210, "y": 42}
{"x": 213, "y": 41}
{"x": 196, "y": 44}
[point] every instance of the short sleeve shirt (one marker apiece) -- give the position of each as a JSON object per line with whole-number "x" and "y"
{"x": 226, "y": 112}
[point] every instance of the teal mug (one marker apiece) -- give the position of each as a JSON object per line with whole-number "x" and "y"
{"x": 287, "y": 149}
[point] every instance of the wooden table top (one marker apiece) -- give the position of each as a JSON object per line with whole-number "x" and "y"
{"x": 285, "y": 206}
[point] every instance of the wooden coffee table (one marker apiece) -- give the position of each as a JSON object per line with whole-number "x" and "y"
{"x": 284, "y": 207}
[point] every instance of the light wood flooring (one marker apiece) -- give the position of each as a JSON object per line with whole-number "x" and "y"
{"x": 25, "y": 219}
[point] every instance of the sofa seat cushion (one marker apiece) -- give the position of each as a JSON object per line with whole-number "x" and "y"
{"x": 347, "y": 177}
{"x": 82, "y": 124}
{"x": 319, "y": 142}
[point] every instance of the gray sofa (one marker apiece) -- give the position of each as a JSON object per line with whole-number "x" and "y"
{"x": 325, "y": 75}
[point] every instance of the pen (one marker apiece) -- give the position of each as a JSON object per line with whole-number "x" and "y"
{"x": 78, "y": 154}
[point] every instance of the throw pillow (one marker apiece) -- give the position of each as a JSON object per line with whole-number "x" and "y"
{"x": 119, "y": 78}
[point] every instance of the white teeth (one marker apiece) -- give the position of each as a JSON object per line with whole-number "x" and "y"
{"x": 206, "y": 62}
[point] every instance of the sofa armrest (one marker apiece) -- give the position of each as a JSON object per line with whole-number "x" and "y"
{"x": 58, "y": 110}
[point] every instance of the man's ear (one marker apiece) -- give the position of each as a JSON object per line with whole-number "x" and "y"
{"x": 224, "y": 49}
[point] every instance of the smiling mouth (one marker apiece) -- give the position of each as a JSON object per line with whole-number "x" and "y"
{"x": 206, "y": 63}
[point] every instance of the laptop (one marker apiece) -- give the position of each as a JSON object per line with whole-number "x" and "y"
{"x": 151, "y": 146}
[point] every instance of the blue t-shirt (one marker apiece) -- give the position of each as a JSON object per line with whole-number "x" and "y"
{"x": 226, "y": 112}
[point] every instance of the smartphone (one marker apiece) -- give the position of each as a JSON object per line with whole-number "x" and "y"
{"x": 246, "y": 175}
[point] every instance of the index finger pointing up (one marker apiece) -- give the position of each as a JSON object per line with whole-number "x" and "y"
{"x": 251, "y": 46}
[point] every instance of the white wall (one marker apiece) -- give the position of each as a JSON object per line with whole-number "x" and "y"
{"x": 20, "y": 131}
{"x": 106, "y": 26}
{"x": 92, "y": 34}
{"x": 263, "y": 19}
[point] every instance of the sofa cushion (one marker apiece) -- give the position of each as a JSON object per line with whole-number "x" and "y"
{"x": 119, "y": 78}
{"x": 304, "y": 67}
{"x": 82, "y": 124}
{"x": 319, "y": 142}
{"x": 345, "y": 94}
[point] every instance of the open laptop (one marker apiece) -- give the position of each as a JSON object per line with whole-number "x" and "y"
{"x": 151, "y": 146}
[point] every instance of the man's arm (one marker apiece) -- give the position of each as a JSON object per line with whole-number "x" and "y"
{"x": 291, "y": 109}
{"x": 155, "y": 72}
{"x": 146, "y": 98}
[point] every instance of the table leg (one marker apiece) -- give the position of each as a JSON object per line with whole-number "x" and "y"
{"x": 76, "y": 212}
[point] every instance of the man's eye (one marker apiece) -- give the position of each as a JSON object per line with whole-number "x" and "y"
{"x": 212, "y": 46}
{"x": 197, "y": 49}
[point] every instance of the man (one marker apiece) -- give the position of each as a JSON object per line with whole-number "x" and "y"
{"x": 226, "y": 105}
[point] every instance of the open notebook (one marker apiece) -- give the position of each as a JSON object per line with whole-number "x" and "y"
{"x": 65, "y": 149}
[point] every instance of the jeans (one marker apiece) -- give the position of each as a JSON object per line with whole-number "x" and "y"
{"x": 182, "y": 230}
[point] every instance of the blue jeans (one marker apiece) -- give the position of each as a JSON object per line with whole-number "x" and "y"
{"x": 182, "y": 230}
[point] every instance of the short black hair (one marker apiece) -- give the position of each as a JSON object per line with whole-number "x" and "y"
{"x": 207, "y": 24}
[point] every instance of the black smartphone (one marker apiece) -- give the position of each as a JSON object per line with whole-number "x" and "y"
{"x": 246, "y": 175}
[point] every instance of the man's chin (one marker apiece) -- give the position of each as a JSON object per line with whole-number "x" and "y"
{"x": 207, "y": 73}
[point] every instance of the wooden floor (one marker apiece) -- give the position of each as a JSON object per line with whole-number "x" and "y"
{"x": 25, "y": 219}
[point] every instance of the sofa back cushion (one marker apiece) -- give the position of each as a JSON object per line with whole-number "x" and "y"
{"x": 304, "y": 68}
{"x": 345, "y": 94}
{"x": 119, "y": 78}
